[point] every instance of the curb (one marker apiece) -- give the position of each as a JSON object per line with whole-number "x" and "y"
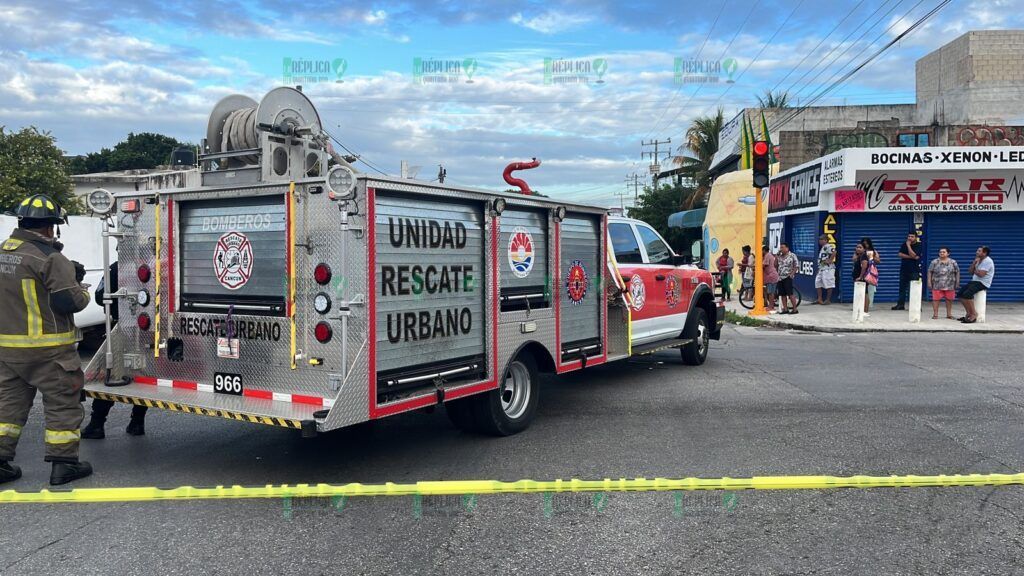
{"x": 859, "y": 329}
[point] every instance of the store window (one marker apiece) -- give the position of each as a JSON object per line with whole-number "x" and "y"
{"x": 913, "y": 139}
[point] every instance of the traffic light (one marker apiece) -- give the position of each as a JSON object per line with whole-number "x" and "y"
{"x": 760, "y": 164}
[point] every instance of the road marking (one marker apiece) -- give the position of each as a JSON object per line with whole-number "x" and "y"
{"x": 478, "y": 487}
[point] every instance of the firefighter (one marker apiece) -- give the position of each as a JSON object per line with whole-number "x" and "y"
{"x": 101, "y": 408}
{"x": 40, "y": 290}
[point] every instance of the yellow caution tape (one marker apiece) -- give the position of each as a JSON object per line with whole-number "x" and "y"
{"x": 480, "y": 487}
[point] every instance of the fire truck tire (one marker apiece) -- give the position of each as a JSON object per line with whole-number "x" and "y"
{"x": 462, "y": 413}
{"x": 697, "y": 329}
{"x": 510, "y": 409}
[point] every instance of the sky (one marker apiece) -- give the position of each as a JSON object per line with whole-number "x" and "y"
{"x": 461, "y": 84}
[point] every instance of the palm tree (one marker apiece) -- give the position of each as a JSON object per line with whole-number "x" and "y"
{"x": 771, "y": 99}
{"x": 696, "y": 155}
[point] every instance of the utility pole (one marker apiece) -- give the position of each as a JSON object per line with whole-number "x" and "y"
{"x": 622, "y": 204}
{"x": 441, "y": 173}
{"x": 655, "y": 156}
{"x": 636, "y": 186}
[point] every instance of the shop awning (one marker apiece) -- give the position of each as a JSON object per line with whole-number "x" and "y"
{"x": 688, "y": 219}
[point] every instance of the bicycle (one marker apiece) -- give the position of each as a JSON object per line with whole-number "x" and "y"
{"x": 746, "y": 297}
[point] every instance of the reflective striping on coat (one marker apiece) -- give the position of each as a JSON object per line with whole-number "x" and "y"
{"x": 44, "y": 341}
{"x": 62, "y": 436}
{"x": 35, "y": 317}
{"x": 10, "y": 430}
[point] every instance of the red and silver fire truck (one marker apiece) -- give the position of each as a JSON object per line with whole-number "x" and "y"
{"x": 289, "y": 290}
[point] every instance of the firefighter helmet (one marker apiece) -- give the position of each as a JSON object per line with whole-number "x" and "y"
{"x": 42, "y": 209}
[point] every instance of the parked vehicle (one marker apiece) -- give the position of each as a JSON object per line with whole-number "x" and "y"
{"x": 285, "y": 293}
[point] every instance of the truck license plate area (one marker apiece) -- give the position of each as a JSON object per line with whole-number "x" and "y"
{"x": 225, "y": 383}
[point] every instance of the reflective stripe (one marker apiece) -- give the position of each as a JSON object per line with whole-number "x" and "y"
{"x": 12, "y": 430}
{"x": 35, "y": 317}
{"x": 43, "y": 341}
{"x": 62, "y": 436}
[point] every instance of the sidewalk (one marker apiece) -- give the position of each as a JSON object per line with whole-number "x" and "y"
{"x": 837, "y": 317}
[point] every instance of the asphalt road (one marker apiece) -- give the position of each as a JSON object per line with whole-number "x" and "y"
{"x": 766, "y": 403}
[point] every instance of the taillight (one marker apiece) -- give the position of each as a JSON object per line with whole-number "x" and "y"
{"x": 130, "y": 206}
{"x": 143, "y": 321}
{"x": 144, "y": 273}
{"x": 322, "y": 274}
{"x": 323, "y": 332}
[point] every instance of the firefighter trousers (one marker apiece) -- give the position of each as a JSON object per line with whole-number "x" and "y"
{"x": 58, "y": 376}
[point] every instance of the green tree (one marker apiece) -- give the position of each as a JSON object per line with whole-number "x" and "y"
{"x": 655, "y": 206}
{"x": 31, "y": 163}
{"x": 771, "y": 99}
{"x": 696, "y": 156}
{"x": 138, "y": 151}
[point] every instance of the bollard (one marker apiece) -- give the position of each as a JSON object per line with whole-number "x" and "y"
{"x": 914, "y": 309}
{"x": 980, "y": 303}
{"x": 859, "y": 294}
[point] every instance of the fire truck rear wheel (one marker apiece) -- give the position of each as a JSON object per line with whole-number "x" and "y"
{"x": 697, "y": 330}
{"x": 510, "y": 409}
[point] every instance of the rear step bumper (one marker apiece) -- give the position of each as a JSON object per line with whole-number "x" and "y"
{"x": 254, "y": 410}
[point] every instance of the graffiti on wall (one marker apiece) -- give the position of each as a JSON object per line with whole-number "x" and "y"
{"x": 835, "y": 142}
{"x": 990, "y": 136}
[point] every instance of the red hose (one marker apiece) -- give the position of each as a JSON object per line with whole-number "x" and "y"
{"x": 521, "y": 184}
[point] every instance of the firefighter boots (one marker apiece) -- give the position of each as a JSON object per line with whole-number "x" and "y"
{"x": 64, "y": 472}
{"x": 136, "y": 427}
{"x": 8, "y": 472}
{"x": 94, "y": 431}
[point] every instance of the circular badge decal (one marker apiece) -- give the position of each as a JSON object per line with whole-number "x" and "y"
{"x": 673, "y": 290}
{"x": 232, "y": 260}
{"x": 576, "y": 282}
{"x": 637, "y": 292}
{"x": 520, "y": 252}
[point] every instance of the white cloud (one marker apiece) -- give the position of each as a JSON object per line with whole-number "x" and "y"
{"x": 551, "y": 21}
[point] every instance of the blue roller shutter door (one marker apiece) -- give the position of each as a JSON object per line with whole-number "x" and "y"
{"x": 1002, "y": 232}
{"x": 803, "y": 241}
{"x": 887, "y": 232}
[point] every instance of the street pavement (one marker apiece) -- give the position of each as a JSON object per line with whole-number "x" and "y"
{"x": 767, "y": 402}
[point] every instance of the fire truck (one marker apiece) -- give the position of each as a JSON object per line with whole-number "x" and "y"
{"x": 290, "y": 290}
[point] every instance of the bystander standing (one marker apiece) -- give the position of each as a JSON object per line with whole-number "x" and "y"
{"x": 788, "y": 265}
{"x": 826, "y": 277}
{"x": 771, "y": 277}
{"x": 943, "y": 279}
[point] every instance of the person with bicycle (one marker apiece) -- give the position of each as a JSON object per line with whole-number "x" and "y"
{"x": 770, "y": 270}
{"x": 788, "y": 264}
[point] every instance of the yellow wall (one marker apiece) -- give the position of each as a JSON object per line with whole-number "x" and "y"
{"x": 729, "y": 223}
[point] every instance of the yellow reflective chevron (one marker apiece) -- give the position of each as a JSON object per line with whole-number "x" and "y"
{"x": 25, "y": 201}
{"x": 37, "y": 203}
{"x": 62, "y": 436}
{"x": 12, "y": 244}
{"x": 43, "y": 341}
{"x": 10, "y": 430}
{"x": 35, "y": 317}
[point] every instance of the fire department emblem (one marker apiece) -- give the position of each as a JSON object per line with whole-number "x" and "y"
{"x": 232, "y": 260}
{"x": 673, "y": 291}
{"x": 576, "y": 282}
{"x": 637, "y": 292}
{"x": 520, "y": 252}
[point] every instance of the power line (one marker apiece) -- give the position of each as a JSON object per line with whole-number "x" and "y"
{"x": 697, "y": 57}
{"x": 862, "y": 65}
{"x": 358, "y": 157}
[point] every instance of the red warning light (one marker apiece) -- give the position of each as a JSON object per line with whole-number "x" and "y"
{"x": 760, "y": 148}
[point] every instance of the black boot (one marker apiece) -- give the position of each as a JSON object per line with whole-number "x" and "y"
{"x": 94, "y": 430}
{"x": 136, "y": 427}
{"x": 64, "y": 472}
{"x": 8, "y": 472}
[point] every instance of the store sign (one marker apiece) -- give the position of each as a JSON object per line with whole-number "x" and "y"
{"x": 797, "y": 190}
{"x": 938, "y": 191}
